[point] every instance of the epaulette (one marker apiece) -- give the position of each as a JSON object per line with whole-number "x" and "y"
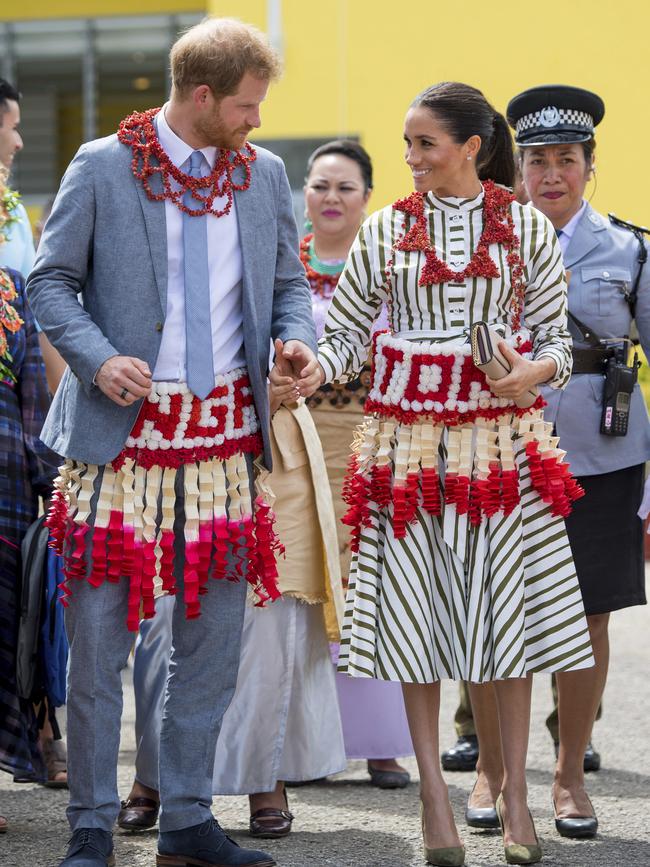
{"x": 625, "y": 224}
{"x": 638, "y": 232}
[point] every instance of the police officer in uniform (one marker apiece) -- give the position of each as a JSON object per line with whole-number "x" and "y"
{"x": 609, "y": 293}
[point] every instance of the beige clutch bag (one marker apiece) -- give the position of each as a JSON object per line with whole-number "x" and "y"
{"x": 487, "y": 356}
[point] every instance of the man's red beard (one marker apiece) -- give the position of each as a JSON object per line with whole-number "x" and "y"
{"x": 217, "y": 135}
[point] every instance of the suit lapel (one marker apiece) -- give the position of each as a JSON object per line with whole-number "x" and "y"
{"x": 156, "y": 227}
{"x": 585, "y": 237}
{"x": 244, "y": 203}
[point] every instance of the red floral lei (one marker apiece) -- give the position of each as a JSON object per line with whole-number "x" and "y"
{"x": 137, "y": 132}
{"x": 322, "y": 284}
{"x": 498, "y": 228}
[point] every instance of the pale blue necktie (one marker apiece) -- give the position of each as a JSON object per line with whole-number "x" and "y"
{"x": 198, "y": 325}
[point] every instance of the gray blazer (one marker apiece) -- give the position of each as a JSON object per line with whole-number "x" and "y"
{"x": 106, "y": 241}
{"x": 601, "y": 258}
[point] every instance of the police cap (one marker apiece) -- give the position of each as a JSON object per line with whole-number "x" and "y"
{"x": 554, "y": 114}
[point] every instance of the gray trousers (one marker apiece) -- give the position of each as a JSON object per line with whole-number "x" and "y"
{"x": 200, "y": 684}
{"x": 150, "y": 667}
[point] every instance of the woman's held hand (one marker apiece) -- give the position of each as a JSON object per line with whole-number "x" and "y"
{"x": 524, "y": 374}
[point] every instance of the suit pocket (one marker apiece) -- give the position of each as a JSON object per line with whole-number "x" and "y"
{"x": 602, "y": 286}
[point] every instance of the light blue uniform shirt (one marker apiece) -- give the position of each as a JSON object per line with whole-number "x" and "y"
{"x": 18, "y": 251}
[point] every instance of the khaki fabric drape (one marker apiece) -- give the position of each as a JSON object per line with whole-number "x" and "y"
{"x": 305, "y": 514}
{"x": 335, "y": 428}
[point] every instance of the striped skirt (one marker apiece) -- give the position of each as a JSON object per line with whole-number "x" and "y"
{"x": 444, "y": 596}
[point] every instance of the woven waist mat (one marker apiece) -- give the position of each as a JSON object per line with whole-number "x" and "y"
{"x": 178, "y": 499}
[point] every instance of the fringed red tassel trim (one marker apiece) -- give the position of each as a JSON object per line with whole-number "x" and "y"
{"x": 234, "y": 550}
{"x": 99, "y": 562}
{"x": 219, "y": 547}
{"x": 510, "y": 496}
{"x": 267, "y": 548}
{"x": 537, "y": 477}
{"x": 356, "y": 493}
{"x": 431, "y": 491}
{"x": 381, "y": 481}
{"x": 412, "y": 496}
{"x": 148, "y": 576}
{"x": 457, "y": 492}
{"x": 191, "y": 580}
{"x": 553, "y": 481}
{"x": 56, "y": 520}
{"x": 399, "y": 510}
{"x": 486, "y": 497}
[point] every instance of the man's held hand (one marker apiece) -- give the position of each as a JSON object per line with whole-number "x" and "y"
{"x": 295, "y": 361}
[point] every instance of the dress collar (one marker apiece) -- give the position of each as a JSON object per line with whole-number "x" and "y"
{"x": 176, "y": 149}
{"x": 453, "y": 205}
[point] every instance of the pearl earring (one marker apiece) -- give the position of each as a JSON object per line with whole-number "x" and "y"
{"x": 469, "y": 156}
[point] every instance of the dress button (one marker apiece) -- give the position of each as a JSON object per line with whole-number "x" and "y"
{"x": 605, "y": 274}
{"x": 159, "y": 326}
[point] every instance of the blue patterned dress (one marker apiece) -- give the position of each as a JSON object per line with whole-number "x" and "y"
{"x": 28, "y": 468}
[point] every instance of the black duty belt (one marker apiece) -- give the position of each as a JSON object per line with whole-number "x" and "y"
{"x": 589, "y": 360}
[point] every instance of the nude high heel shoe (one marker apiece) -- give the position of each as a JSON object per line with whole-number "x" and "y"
{"x": 449, "y": 856}
{"x": 519, "y": 853}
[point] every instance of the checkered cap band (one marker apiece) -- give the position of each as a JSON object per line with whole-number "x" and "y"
{"x": 551, "y": 117}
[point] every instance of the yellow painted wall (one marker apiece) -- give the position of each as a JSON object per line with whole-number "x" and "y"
{"x": 78, "y": 9}
{"x": 352, "y": 66}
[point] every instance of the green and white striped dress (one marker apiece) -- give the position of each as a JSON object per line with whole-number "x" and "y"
{"x": 453, "y": 600}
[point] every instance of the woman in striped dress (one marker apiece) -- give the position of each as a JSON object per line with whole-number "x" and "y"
{"x": 462, "y": 567}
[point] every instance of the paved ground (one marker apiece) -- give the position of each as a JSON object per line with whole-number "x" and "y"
{"x": 349, "y": 823}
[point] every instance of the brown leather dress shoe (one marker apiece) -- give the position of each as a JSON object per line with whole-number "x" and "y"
{"x": 271, "y": 823}
{"x": 138, "y": 814}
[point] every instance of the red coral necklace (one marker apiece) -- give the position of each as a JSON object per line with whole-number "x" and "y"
{"x": 322, "y": 284}
{"x": 138, "y": 132}
{"x": 498, "y": 228}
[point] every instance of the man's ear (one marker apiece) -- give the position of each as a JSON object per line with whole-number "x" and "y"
{"x": 201, "y": 95}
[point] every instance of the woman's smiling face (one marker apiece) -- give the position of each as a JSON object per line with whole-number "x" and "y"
{"x": 435, "y": 159}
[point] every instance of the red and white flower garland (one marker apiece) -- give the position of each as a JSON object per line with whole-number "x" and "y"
{"x": 414, "y": 380}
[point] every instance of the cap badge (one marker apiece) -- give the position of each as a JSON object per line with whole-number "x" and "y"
{"x": 549, "y": 116}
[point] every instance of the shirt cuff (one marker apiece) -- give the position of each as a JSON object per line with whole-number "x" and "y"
{"x": 331, "y": 363}
{"x": 561, "y": 376}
